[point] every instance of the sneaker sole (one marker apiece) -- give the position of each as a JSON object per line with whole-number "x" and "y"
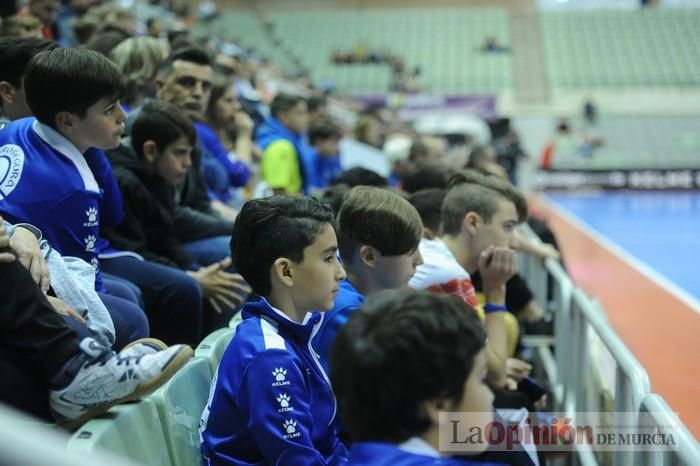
{"x": 177, "y": 361}
{"x": 154, "y": 343}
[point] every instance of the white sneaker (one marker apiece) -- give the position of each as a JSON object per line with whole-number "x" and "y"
{"x": 105, "y": 379}
{"x": 142, "y": 347}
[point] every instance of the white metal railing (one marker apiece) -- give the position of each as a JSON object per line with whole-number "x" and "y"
{"x": 571, "y": 369}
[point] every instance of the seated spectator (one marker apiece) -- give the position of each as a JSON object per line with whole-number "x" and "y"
{"x": 44, "y": 360}
{"x": 378, "y": 236}
{"x": 424, "y": 175}
{"x": 61, "y": 151}
{"x": 226, "y": 134}
{"x": 138, "y": 58}
{"x": 358, "y": 176}
{"x": 21, "y": 26}
{"x": 15, "y": 53}
{"x": 324, "y": 136}
{"x": 400, "y": 361}
{"x": 368, "y": 130}
{"x": 286, "y": 159}
{"x": 162, "y": 140}
{"x": 45, "y": 11}
{"x": 478, "y": 221}
{"x": 317, "y": 106}
{"x": 203, "y": 225}
{"x": 271, "y": 402}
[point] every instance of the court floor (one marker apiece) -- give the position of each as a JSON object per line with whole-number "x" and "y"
{"x": 638, "y": 253}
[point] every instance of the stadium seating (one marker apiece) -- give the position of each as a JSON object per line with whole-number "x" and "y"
{"x": 608, "y": 48}
{"x": 444, "y": 43}
{"x": 132, "y": 430}
{"x": 213, "y": 346}
{"x": 180, "y": 403}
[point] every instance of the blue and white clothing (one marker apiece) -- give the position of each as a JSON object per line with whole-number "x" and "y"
{"x": 46, "y": 181}
{"x": 221, "y": 173}
{"x": 413, "y": 452}
{"x": 325, "y": 169}
{"x": 347, "y": 301}
{"x": 270, "y": 401}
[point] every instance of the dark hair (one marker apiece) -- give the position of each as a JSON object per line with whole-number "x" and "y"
{"x": 322, "y": 130}
{"x": 379, "y": 218}
{"x": 477, "y": 157}
{"x": 219, "y": 85}
{"x": 424, "y": 175}
{"x": 283, "y": 103}
{"x": 482, "y": 201}
{"x": 418, "y": 151}
{"x": 270, "y": 228}
{"x": 334, "y": 195}
{"x": 191, "y": 54}
{"x": 106, "y": 40}
{"x": 315, "y": 102}
{"x": 428, "y": 203}
{"x": 162, "y": 123}
{"x": 15, "y": 54}
{"x": 359, "y": 176}
{"x": 400, "y": 350}
{"x": 71, "y": 80}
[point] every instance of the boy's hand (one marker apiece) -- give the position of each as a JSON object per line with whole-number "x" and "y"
{"x": 26, "y": 247}
{"x": 547, "y": 251}
{"x": 221, "y": 288}
{"x": 517, "y": 369}
{"x": 5, "y": 256}
{"x": 497, "y": 265}
{"x": 244, "y": 123}
{"x": 64, "y": 309}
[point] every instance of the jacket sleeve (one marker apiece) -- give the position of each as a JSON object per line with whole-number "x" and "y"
{"x": 192, "y": 224}
{"x": 112, "y": 207}
{"x": 275, "y": 398}
{"x": 238, "y": 172}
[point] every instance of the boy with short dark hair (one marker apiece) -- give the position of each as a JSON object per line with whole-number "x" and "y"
{"x": 271, "y": 402}
{"x": 74, "y": 94}
{"x": 378, "y": 236}
{"x": 162, "y": 139}
{"x": 404, "y": 357}
{"x": 15, "y": 53}
{"x": 285, "y": 164}
{"x": 324, "y": 136}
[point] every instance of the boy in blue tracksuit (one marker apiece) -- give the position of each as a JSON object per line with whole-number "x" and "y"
{"x": 271, "y": 401}
{"x": 401, "y": 360}
{"x": 54, "y": 175}
{"x": 378, "y": 234}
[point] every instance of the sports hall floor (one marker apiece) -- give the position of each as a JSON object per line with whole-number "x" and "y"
{"x": 638, "y": 253}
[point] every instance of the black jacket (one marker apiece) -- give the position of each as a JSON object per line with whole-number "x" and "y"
{"x": 194, "y": 217}
{"x": 148, "y": 227}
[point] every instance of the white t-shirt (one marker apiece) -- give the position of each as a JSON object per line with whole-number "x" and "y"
{"x": 441, "y": 272}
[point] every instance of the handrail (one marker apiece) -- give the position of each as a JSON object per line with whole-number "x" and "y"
{"x": 575, "y": 315}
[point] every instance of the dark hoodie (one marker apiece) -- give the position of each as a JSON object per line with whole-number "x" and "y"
{"x": 195, "y": 219}
{"x": 148, "y": 227}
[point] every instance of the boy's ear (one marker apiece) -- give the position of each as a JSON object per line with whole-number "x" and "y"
{"x": 7, "y": 92}
{"x": 64, "y": 121}
{"x": 150, "y": 151}
{"x": 433, "y": 408}
{"x": 428, "y": 233}
{"x": 368, "y": 255}
{"x": 282, "y": 270}
{"x": 471, "y": 222}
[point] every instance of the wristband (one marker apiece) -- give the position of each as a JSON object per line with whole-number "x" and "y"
{"x": 490, "y": 308}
